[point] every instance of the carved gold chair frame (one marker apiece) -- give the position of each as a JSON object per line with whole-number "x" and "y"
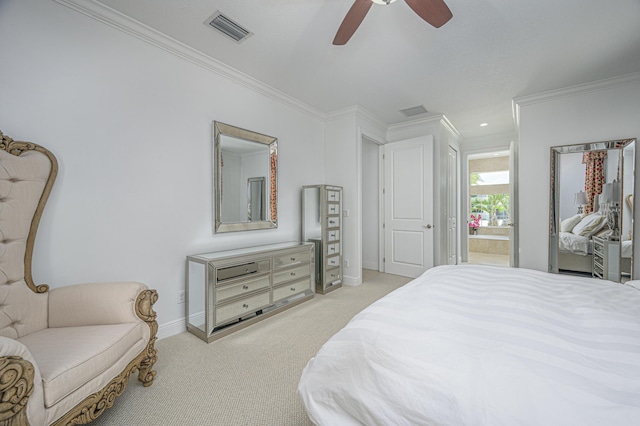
{"x": 17, "y": 374}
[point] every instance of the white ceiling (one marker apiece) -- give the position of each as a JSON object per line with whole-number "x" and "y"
{"x": 470, "y": 69}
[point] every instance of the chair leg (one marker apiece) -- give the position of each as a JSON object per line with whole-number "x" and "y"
{"x": 146, "y": 372}
{"x": 144, "y": 309}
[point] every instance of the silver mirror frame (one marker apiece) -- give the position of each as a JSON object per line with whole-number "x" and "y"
{"x": 247, "y": 135}
{"x": 554, "y": 215}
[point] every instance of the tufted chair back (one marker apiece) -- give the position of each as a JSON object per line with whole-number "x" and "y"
{"x": 27, "y": 173}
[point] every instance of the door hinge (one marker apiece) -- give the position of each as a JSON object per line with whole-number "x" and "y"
{"x": 384, "y": 259}
{"x": 384, "y": 225}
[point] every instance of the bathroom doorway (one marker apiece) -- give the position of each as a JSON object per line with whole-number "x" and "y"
{"x": 489, "y": 208}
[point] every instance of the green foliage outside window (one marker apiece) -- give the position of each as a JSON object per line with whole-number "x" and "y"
{"x": 492, "y": 207}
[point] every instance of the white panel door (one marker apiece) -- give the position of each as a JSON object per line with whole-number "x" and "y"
{"x": 408, "y": 188}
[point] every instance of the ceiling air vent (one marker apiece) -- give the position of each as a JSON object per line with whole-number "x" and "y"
{"x": 227, "y": 27}
{"x": 416, "y": 110}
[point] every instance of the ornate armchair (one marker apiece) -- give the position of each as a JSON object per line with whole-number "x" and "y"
{"x": 65, "y": 353}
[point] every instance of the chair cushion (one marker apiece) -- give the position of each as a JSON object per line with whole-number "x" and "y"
{"x": 69, "y": 357}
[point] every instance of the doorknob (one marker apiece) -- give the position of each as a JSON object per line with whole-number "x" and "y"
{"x": 428, "y": 226}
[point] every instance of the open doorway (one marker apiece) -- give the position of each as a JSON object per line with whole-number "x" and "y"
{"x": 371, "y": 257}
{"x": 489, "y": 208}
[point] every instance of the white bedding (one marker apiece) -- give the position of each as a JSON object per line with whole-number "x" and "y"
{"x": 482, "y": 345}
{"x": 575, "y": 243}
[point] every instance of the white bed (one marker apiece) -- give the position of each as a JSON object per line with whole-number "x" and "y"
{"x": 482, "y": 345}
{"x": 575, "y": 253}
{"x": 576, "y": 244}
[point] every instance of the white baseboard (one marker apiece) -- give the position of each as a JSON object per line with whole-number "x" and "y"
{"x": 171, "y": 328}
{"x": 352, "y": 281}
{"x": 370, "y": 265}
{"x": 178, "y": 326}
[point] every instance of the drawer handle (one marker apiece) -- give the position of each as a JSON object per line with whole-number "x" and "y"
{"x": 293, "y": 274}
{"x": 332, "y": 249}
{"x": 244, "y": 305}
{"x": 245, "y": 287}
{"x": 293, "y": 289}
{"x": 293, "y": 259}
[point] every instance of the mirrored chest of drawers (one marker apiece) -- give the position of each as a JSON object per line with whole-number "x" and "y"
{"x": 606, "y": 259}
{"x": 322, "y": 225}
{"x": 229, "y": 290}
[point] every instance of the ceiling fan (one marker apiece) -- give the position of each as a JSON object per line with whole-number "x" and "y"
{"x": 435, "y": 12}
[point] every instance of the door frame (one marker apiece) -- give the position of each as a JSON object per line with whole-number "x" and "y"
{"x": 358, "y": 240}
{"x": 464, "y": 197}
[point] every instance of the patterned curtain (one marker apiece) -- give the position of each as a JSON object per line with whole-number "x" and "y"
{"x": 594, "y": 176}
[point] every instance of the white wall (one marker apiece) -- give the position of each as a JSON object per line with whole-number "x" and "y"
{"x": 340, "y": 157}
{"x": 601, "y": 111}
{"x": 131, "y": 127}
{"x": 571, "y": 175}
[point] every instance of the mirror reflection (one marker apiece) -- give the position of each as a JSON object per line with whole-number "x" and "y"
{"x": 245, "y": 165}
{"x": 591, "y": 221}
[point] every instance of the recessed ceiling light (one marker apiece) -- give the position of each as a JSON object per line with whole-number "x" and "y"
{"x": 484, "y": 124}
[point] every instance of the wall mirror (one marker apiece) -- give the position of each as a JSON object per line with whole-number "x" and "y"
{"x": 245, "y": 179}
{"x": 591, "y": 209}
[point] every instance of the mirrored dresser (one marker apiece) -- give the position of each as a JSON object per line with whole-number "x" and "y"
{"x": 322, "y": 225}
{"x": 229, "y": 290}
{"x": 606, "y": 259}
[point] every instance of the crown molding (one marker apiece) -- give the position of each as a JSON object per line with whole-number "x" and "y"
{"x": 575, "y": 90}
{"x": 117, "y": 20}
{"x": 358, "y": 112}
{"x": 448, "y": 125}
{"x": 435, "y": 118}
{"x": 351, "y": 111}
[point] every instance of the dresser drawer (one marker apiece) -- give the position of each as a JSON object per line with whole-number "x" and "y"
{"x": 290, "y": 274}
{"x": 291, "y": 289}
{"x": 333, "y": 195}
{"x": 332, "y": 275}
{"x": 333, "y": 249}
{"x": 333, "y": 222}
{"x": 333, "y": 235}
{"x": 241, "y": 308}
{"x": 333, "y": 261}
{"x": 333, "y": 208}
{"x": 291, "y": 259}
{"x": 224, "y": 293}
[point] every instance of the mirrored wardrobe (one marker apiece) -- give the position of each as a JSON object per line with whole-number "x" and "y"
{"x": 591, "y": 209}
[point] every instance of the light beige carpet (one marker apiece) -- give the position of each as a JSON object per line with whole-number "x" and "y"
{"x": 249, "y": 377}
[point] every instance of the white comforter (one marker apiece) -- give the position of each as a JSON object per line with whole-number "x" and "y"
{"x": 482, "y": 345}
{"x": 575, "y": 243}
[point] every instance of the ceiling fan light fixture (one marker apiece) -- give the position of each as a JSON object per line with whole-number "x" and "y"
{"x": 387, "y": 2}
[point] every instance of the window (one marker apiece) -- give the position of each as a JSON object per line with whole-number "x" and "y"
{"x": 494, "y": 208}
{"x": 489, "y": 178}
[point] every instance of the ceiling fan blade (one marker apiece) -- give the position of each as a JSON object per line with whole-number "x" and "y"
{"x": 352, "y": 21}
{"x": 435, "y": 12}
